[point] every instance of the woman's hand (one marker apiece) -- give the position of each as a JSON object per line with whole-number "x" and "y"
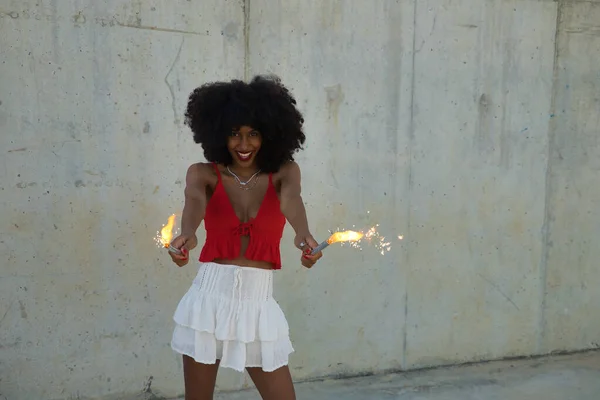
{"x": 185, "y": 243}
{"x": 307, "y": 243}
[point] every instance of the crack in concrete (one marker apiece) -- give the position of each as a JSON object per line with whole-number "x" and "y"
{"x": 171, "y": 90}
{"x": 6, "y": 312}
{"x": 499, "y": 291}
{"x": 545, "y": 229}
{"x": 428, "y": 36}
{"x": 411, "y": 135}
{"x": 157, "y": 29}
{"x": 246, "y": 11}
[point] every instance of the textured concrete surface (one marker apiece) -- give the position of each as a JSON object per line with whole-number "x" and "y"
{"x": 560, "y": 378}
{"x": 467, "y": 126}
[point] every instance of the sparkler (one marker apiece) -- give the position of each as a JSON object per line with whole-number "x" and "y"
{"x": 166, "y": 235}
{"x": 372, "y": 237}
{"x": 346, "y": 236}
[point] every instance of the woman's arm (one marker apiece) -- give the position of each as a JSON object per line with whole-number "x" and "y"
{"x": 195, "y": 200}
{"x": 292, "y": 207}
{"x": 193, "y": 213}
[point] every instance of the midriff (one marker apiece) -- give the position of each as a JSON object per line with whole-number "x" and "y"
{"x": 244, "y": 262}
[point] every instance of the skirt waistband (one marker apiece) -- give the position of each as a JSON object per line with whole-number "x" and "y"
{"x": 232, "y": 281}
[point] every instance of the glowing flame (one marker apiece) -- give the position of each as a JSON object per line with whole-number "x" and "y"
{"x": 346, "y": 236}
{"x": 366, "y": 237}
{"x": 166, "y": 233}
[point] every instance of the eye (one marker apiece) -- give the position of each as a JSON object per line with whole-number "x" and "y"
{"x": 254, "y": 133}
{"x": 234, "y": 133}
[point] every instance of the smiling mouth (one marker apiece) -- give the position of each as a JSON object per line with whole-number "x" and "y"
{"x": 244, "y": 156}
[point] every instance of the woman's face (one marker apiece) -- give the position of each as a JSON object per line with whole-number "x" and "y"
{"x": 243, "y": 146}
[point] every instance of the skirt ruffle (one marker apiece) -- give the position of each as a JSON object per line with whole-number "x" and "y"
{"x": 229, "y": 314}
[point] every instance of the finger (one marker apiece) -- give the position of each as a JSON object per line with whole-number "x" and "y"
{"x": 178, "y": 256}
{"x": 176, "y": 248}
{"x": 183, "y": 251}
{"x": 307, "y": 262}
{"x": 304, "y": 246}
{"x": 311, "y": 242}
{"x": 309, "y": 256}
{"x": 179, "y": 261}
{"x": 178, "y": 242}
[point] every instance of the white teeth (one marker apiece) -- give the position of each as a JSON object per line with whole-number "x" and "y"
{"x": 244, "y": 155}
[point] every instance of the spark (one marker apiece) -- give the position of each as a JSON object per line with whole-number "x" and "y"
{"x": 165, "y": 235}
{"x": 346, "y": 236}
{"x": 373, "y": 238}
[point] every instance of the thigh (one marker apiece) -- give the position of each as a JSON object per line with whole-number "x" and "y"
{"x": 199, "y": 379}
{"x": 276, "y": 385}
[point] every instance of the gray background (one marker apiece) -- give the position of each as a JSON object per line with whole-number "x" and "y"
{"x": 468, "y": 126}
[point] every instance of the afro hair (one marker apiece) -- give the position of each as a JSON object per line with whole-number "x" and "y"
{"x": 216, "y": 109}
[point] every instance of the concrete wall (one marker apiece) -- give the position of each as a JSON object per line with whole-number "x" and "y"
{"x": 468, "y": 126}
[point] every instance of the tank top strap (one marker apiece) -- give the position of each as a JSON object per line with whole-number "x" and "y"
{"x": 217, "y": 171}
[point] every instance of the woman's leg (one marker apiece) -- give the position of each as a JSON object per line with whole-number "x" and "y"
{"x": 276, "y": 385}
{"x": 199, "y": 379}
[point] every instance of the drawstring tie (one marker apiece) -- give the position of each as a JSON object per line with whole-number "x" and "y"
{"x": 244, "y": 229}
{"x": 236, "y": 290}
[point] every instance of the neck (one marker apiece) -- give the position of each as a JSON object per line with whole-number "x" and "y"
{"x": 243, "y": 172}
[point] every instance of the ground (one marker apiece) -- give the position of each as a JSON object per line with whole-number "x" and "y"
{"x": 572, "y": 377}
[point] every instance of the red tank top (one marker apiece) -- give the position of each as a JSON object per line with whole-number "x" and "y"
{"x": 224, "y": 228}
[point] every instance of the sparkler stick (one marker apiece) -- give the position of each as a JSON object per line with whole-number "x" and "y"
{"x": 174, "y": 250}
{"x": 320, "y": 247}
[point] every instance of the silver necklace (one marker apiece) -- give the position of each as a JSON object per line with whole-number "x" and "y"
{"x": 244, "y": 184}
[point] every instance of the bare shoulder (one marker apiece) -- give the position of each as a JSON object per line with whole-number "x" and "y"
{"x": 288, "y": 173}
{"x": 200, "y": 174}
{"x": 290, "y": 169}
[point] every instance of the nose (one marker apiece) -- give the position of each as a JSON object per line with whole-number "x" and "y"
{"x": 244, "y": 142}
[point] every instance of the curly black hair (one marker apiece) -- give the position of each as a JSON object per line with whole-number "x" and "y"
{"x": 216, "y": 109}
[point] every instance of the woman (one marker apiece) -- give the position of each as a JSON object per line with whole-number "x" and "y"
{"x": 245, "y": 194}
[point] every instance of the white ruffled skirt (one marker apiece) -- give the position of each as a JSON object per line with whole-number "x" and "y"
{"x": 229, "y": 314}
